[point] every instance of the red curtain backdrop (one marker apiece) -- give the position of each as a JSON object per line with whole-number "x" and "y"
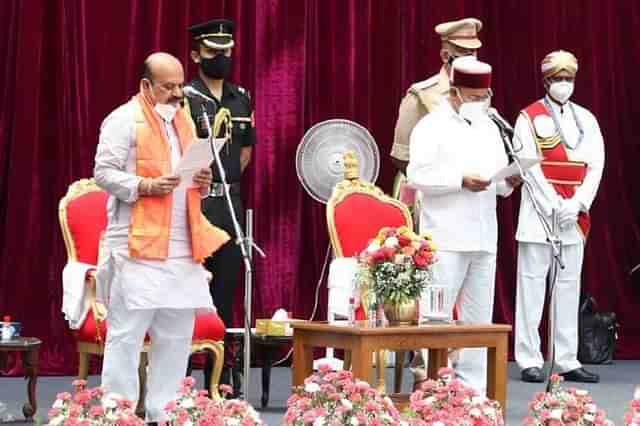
{"x": 68, "y": 63}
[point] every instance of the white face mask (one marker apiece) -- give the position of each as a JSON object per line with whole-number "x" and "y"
{"x": 166, "y": 111}
{"x": 473, "y": 111}
{"x": 561, "y": 91}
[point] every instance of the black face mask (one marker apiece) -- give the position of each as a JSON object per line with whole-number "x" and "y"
{"x": 217, "y": 67}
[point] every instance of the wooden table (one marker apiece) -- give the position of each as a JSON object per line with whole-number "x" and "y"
{"x": 29, "y": 348}
{"x": 364, "y": 340}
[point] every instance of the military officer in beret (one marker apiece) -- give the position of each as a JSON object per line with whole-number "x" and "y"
{"x": 211, "y": 50}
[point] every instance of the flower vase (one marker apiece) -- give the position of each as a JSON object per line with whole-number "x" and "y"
{"x": 401, "y": 313}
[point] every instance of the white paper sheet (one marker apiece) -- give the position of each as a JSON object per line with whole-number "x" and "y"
{"x": 512, "y": 169}
{"x": 197, "y": 156}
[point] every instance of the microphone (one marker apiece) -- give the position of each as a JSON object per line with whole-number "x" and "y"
{"x": 190, "y": 92}
{"x": 500, "y": 121}
{"x": 203, "y": 128}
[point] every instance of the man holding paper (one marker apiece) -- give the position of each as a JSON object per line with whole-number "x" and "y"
{"x": 452, "y": 171}
{"x": 150, "y": 274}
{"x": 568, "y": 139}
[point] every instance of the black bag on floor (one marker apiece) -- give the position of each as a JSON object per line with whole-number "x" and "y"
{"x": 597, "y": 333}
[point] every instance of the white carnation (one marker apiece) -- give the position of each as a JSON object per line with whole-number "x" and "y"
{"x": 187, "y": 403}
{"x": 475, "y": 412}
{"x": 58, "y": 404}
{"x": 311, "y": 387}
{"x": 347, "y": 404}
{"x": 391, "y": 242}
{"x": 556, "y": 414}
{"x": 373, "y": 247}
{"x": 319, "y": 421}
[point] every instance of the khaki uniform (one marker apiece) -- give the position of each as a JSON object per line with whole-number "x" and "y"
{"x": 421, "y": 98}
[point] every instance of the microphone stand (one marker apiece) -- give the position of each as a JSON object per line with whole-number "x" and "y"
{"x": 555, "y": 243}
{"x": 246, "y": 243}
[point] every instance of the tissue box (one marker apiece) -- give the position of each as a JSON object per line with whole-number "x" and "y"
{"x": 269, "y": 327}
{"x": 9, "y": 330}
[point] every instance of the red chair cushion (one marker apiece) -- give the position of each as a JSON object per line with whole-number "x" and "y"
{"x": 359, "y": 217}
{"x": 88, "y": 331}
{"x": 208, "y": 326}
{"x": 87, "y": 218}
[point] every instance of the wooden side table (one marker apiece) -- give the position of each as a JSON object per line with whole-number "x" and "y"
{"x": 29, "y": 348}
{"x": 364, "y": 340}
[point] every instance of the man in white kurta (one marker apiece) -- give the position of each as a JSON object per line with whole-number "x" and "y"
{"x": 555, "y": 126}
{"x": 452, "y": 171}
{"x": 154, "y": 297}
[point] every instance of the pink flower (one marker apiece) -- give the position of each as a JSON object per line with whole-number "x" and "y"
{"x": 96, "y": 411}
{"x": 226, "y": 389}
{"x": 188, "y": 382}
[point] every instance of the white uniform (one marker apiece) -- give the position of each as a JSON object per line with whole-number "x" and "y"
{"x": 463, "y": 223}
{"x": 534, "y": 255}
{"x": 144, "y": 296}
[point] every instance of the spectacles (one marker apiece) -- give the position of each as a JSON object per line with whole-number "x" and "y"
{"x": 477, "y": 98}
{"x": 560, "y": 79}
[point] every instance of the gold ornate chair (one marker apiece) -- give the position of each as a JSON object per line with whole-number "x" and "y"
{"x": 82, "y": 216}
{"x": 356, "y": 211}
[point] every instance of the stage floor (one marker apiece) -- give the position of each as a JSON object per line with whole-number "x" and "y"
{"x": 613, "y": 392}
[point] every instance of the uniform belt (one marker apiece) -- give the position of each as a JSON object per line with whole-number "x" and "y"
{"x": 217, "y": 189}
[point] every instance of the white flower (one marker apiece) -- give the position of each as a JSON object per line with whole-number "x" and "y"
{"x": 319, "y": 421}
{"x": 489, "y": 411}
{"x": 311, "y": 387}
{"x": 399, "y": 259}
{"x": 347, "y": 404}
{"x": 230, "y": 421}
{"x": 430, "y": 400}
{"x": 187, "y": 403}
{"x": 56, "y": 420}
{"x": 187, "y": 423}
{"x": 589, "y": 417}
{"x": 556, "y": 414}
{"x": 110, "y": 400}
{"x": 354, "y": 421}
{"x": 477, "y": 400}
{"x": 475, "y": 412}
{"x": 373, "y": 247}
{"x": 391, "y": 242}
{"x": 58, "y": 404}
{"x": 438, "y": 424}
{"x": 591, "y": 408}
{"x": 582, "y": 392}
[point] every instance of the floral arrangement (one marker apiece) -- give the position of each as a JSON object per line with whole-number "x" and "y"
{"x": 89, "y": 407}
{"x": 330, "y": 398}
{"x": 397, "y": 265}
{"x": 632, "y": 416}
{"x": 194, "y": 408}
{"x": 562, "y": 406}
{"x": 448, "y": 401}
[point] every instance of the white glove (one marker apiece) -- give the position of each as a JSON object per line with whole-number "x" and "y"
{"x": 568, "y": 214}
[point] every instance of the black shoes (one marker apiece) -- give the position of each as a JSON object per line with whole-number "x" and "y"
{"x": 532, "y": 375}
{"x": 580, "y": 375}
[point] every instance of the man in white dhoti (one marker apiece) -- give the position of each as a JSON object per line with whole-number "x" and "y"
{"x": 150, "y": 274}
{"x": 452, "y": 171}
{"x": 568, "y": 139}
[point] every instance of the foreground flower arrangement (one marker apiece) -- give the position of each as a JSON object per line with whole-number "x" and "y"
{"x": 194, "y": 408}
{"x": 561, "y": 406}
{"x": 91, "y": 407}
{"x": 330, "y": 398}
{"x": 632, "y": 416}
{"x": 447, "y": 402}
